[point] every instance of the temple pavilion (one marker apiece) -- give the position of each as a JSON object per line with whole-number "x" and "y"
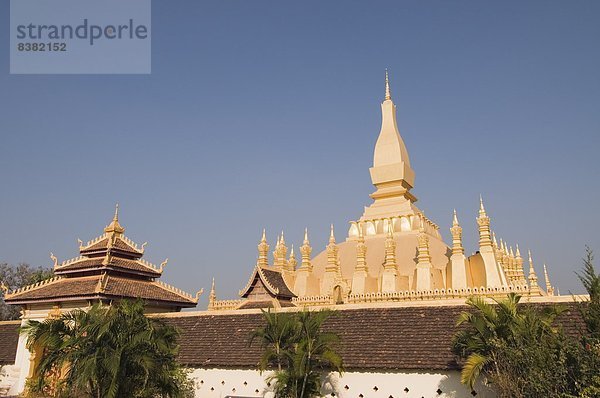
{"x": 109, "y": 267}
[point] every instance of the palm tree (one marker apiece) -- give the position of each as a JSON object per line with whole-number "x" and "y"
{"x": 488, "y": 326}
{"x": 111, "y": 352}
{"x": 302, "y": 351}
{"x": 277, "y": 338}
{"x": 315, "y": 352}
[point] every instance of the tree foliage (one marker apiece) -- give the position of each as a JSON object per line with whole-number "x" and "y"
{"x": 296, "y": 345}
{"x": 106, "y": 352}
{"x": 521, "y": 352}
{"x": 16, "y": 277}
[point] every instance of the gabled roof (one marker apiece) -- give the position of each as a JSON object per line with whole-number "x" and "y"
{"x": 79, "y": 264}
{"x": 103, "y": 286}
{"x": 120, "y": 244}
{"x": 272, "y": 280}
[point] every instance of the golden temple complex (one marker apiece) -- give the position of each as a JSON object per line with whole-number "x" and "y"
{"x": 393, "y": 252}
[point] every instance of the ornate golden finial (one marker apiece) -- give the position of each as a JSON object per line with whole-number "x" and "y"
{"x": 388, "y": 93}
{"x": 143, "y": 247}
{"x": 456, "y": 231}
{"x": 549, "y": 288}
{"x": 80, "y": 243}
{"x": 332, "y": 254}
{"x": 263, "y": 251}
{"x": 54, "y": 259}
{"x": 518, "y": 254}
{"x": 481, "y": 207}
{"x": 4, "y": 288}
{"x": 198, "y": 294}
{"x": 306, "y": 251}
{"x": 292, "y": 261}
{"x": 361, "y": 251}
{"x": 163, "y": 265}
{"x": 212, "y": 297}
{"x": 114, "y": 227}
{"x": 494, "y": 241}
{"x": 390, "y": 229}
{"x": 390, "y": 249}
{"x": 484, "y": 226}
{"x": 533, "y": 280}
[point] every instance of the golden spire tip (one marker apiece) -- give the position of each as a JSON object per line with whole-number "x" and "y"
{"x": 388, "y": 94}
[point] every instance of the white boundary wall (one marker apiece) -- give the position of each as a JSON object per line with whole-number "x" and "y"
{"x": 221, "y": 383}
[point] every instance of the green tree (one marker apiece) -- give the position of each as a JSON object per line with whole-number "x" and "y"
{"x": 15, "y": 277}
{"x": 493, "y": 336}
{"x": 106, "y": 352}
{"x": 304, "y": 356}
{"x": 277, "y": 338}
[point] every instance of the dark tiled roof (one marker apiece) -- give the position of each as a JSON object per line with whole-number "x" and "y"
{"x": 275, "y": 278}
{"x": 9, "y": 338}
{"x": 61, "y": 288}
{"x": 371, "y": 338}
{"x": 256, "y": 304}
{"x": 119, "y": 244}
{"x": 125, "y": 287}
{"x": 114, "y": 287}
{"x": 116, "y": 263}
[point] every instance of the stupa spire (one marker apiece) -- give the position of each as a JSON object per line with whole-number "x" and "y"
{"x": 549, "y": 288}
{"x": 391, "y": 173}
{"x": 263, "y": 251}
{"x": 456, "y": 231}
{"x": 388, "y": 93}
{"x": 533, "y": 280}
{"x": 306, "y": 251}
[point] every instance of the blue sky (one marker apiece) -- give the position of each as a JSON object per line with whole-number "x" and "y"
{"x": 265, "y": 114}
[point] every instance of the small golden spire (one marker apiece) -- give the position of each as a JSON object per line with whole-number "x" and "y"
{"x": 306, "y": 251}
{"x": 331, "y": 235}
{"x": 549, "y": 288}
{"x": 481, "y": 207}
{"x": 455, "y": 219}
{"x": 114, "y": 227}
{"x": 263, "y": 251}
{"x": 292, "y": 262}
{"x": 533, "y": 280}
{"x": 388, "y": 93}
{"x": 518, "y": 254}
{"x": 212, "y": 297}
{"x": 456, "y": 232}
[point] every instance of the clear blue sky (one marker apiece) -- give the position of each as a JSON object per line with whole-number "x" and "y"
{"x": 265, "y": 114}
